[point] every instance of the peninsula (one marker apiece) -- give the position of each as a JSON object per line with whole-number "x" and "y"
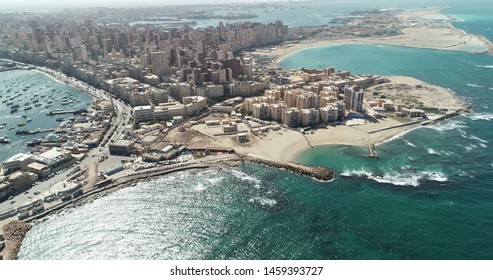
{"x": 171, "y": 99}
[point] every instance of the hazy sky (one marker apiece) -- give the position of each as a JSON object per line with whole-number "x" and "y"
{"x": 26, "y": 5}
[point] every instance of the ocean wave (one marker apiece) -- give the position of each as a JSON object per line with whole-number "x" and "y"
{"x": 245, "y": 177}
{"x": 470, "y": 148}
{"x": 408, "y": 178}
{"x": 463, "y": 173}
{"x": 483, "y": 145}
{"x": 432, "y": 152}
{"x": 485, "y": 66}
{"x": 409, "y": 143}
{"x": 474, "y": 85}
{"x": 473, "y": 137}
{"x": 397, "y": 136}
{"x": 448, "y": 125}
{"x": 481, "y": 116}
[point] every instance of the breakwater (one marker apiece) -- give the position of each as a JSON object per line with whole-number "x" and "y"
{"x": 317, "y": 172}
{"x": 13, "y": 232}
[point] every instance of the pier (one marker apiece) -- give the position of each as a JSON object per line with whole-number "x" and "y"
{"x": 63, "y": 112}
{"x": 45, "y": 130}
{"x": 373, "y": 150}
{"x": 317, "y": 172}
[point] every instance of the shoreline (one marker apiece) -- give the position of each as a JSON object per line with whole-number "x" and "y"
{"x": 287, "y": 154}
{"x": 317, "y": 173}
{"x": 432, "y": 38}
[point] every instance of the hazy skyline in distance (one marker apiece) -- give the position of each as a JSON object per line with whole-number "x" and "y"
{"x": 33, "y": 5}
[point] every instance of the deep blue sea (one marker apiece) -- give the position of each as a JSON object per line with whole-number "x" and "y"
{"x": 430, "y": 196}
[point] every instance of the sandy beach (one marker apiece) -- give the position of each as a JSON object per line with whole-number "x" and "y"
{"x": 286, "y": 144}
{"x": 420, "y": 34}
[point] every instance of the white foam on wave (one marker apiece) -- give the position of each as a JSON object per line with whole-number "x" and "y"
{"x": 432, "y": 152}
{"x": 474, "y": 85}
{"x": 485, "y": 66}
{"x": 448, "y": 125}
{"x": 483, "y": 145}
{"x": 263, "y": 201}
{"x": 407, "y": 178}
{"x": 470, "y": 148}
{"x": 481, "y": 116}
{"x": 244, "y": 177}
{"x": 409, "y": 143}
{"x": 474, "y": 137}
{"x": 397, "y": 136}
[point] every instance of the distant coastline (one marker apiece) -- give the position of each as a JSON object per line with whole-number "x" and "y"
{"x": 446, "y": 38}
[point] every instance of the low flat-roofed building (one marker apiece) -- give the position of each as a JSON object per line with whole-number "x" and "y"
{"x": 21, "y": 179}
{"x": 56, "y": 159}
{"x": 212, "y": 122}
{"x": 230, "y": 128}
{"x": 4, "y": 190}
{"x": 121, "y": 147}
{"x": 413, "y": 113}
{"x": 17, "y": 162}
{"x": 143, "y": 113}
{"x": 42, "y": 170}
{"x": 242, "y": 137}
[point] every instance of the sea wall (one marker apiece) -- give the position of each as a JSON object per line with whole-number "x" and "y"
{"x": 13, "y": 232}
{"x": 317, "y": 172}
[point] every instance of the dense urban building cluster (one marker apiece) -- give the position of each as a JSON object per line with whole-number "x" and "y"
{"x": 308, "y": 97}
{"x": 144, "y": 64}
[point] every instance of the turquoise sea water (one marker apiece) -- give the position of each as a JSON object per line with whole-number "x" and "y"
{"x": 44, "y": 89}
{"x": 430, "y": 196}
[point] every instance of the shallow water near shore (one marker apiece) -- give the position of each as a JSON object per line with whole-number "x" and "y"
{"x": 428, "y": 197}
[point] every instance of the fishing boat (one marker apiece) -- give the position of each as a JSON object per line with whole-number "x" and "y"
{"x": 34, "y": 142}
{"x": 21, "y": 124}
{"x": 4, "y": 140}
{"x": 29, "y": 119}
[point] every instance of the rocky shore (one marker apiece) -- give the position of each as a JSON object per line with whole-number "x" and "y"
{"x": 13, "y": 233}
{"x": 317, "y": 172}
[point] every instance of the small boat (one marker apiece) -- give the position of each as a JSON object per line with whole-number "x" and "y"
{"x": 34, "y": 142}
{"x": 4, "y": 140}
{"x": 21, "y": 124}
{"x": 29, "y": 119}
{"x": 28, "y": 108}
{"x": 14, "y": 110}
{"x": 59, "y": 119}
{"x": 24, "y": 116}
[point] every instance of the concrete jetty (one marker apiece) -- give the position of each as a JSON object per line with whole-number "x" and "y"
{"x": 317, "y": 172}
{"x": 63, "y": 112}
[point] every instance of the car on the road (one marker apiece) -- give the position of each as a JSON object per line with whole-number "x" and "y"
{"x": 36, "y": 193}
{"x": 26, "y": 192}
{"x": 11, "y": 197}
{"x": 12, "y": 201}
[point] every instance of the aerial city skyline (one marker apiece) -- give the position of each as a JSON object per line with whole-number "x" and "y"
{"x": 250, "y": 114}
